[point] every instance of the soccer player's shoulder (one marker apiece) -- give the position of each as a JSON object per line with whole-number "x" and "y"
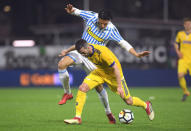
{"x": 92, "y": 13}
{"x": 100, "y": 48}
{"x": 94, "y": 17}
{"x": 111, "y": 25}
{"x": 181, "y": 32}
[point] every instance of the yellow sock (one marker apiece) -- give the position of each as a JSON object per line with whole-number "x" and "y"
{"x": 182, "y": 83}
{"x": 80, "y": 101}
{"x": 138, "y": 102}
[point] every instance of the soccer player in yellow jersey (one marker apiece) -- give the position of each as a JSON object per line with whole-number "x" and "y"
{"x": 108, "y": 71}
{"x": 183, "y": 50}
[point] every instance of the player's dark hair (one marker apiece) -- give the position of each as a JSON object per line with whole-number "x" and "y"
{"x": 104, "y": 14}
{"x": 81, "y": 43}
{"x": 186, "y": 19}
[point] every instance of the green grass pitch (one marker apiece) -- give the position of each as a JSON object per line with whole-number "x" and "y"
{"x": 36, "y": 109}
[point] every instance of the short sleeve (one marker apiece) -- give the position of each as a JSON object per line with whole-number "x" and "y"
{"x": 177, "y": 40}
{"x": 108, "y": 59}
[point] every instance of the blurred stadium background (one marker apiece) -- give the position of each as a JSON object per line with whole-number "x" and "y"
{"x": 33, "y": 32}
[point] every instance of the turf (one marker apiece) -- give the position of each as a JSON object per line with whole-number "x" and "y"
{"x": 36, "y": 109}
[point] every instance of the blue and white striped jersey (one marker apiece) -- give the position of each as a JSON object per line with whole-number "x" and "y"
{"x": 93, "y": 34}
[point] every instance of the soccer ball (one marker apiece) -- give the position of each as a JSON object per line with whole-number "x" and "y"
{"x": 126, "y": 116}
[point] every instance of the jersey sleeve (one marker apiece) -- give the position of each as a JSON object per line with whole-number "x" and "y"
{"x": 108, "y": 59}
{"x": 126, "y": 45}
{"x": 86, "y": 15}
{"x": 114, "y": 35}
{"x": 177, "y": 40}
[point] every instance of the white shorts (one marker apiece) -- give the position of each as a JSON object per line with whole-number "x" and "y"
{"x": 87, "y": 65}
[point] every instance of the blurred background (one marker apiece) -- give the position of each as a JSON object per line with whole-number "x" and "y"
{"x": 33, "y": 32}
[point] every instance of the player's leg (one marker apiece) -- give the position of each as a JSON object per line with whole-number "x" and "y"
{"x": 183, "y": 85}
{"x": 88, "y": 66}
{"x": 63, "y": 64}
{"x": 147, "y": 106}
{"x": 90, "y": 82}
{"x": 80, "y": 101}
{"x": 134, "y": 101}
{"x": 182, "y": 70}
{"x": 104, "y": 99}
{"x": 182, "y": 82}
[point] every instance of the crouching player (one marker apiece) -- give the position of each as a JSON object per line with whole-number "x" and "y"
{"x": 108, "y": 71}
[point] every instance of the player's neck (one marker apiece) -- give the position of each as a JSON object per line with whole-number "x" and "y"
{"x": 188, "y": 31}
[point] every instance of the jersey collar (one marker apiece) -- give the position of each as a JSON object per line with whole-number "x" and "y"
{"x": 92, "y": 51}
{"x": 187, "y": 33}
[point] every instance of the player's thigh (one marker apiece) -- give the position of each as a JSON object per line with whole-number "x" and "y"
{"x": 182, "y": 67}
{"x": 65, "y": 62}
{"x": 113, "y": 86}
{"x": 189, "y": 68}
{"x": 70, "y": 59}
{"x": 93, "y": 80}
{"x": 75, "y": 56}
{"x": 87, "y": 65}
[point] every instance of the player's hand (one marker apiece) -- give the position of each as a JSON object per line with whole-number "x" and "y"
{"x": 69, "y": 9}
{"x": 63, "y": 53}
{"x": 180, "y": 55}
{"x": 120, "y": 91}
{"x": 144, "y": 53}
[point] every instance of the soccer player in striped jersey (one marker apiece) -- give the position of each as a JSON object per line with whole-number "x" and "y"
{"x": 183, "y": 49}
{"x": 108, "y": 71}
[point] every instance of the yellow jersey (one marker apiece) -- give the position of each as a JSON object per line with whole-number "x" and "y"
{"x": 104, "y": 59}
{"x": 184, "y": 39}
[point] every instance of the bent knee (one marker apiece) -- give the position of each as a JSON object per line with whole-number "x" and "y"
{"x": 129, "y": 101}
{"x": 180, "y": 75}
{"x": 84, "y": 87}
{"x": 62, "y": 65}
{"x": 65, "y": 62}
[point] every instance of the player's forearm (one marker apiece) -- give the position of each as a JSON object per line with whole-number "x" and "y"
{"x": 117, "y": 74}
{"x": 140, "y": 54}
{"x": 130, "y": 49}
{"x": 179, "y": 54}
{"x": 76, "y": 12}
{"x": 126, "y": 45}
{"x": 176, "y": 48}
{"x": 133, "y": 52}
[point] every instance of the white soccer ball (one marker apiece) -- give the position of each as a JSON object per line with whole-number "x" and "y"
{"x": 126, "y": 116}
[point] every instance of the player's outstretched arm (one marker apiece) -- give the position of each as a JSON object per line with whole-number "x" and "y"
{"x": 86, "y": 15}
{"x": 127, "y": 46}
{"x": 64, "y": 52}
{"x": 140, "y": 54}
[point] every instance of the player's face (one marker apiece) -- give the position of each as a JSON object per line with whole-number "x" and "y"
{"x": 84, "y": 52}
{"x": 102, "y": 23}
{"x": 187, "y": 25}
